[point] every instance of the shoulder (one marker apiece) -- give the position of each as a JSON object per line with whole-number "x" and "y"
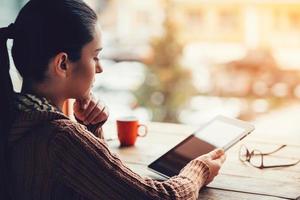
{"x": 71, "y": 139}
{"x": 67, "y": 125}
{"x": 66, "y": 129}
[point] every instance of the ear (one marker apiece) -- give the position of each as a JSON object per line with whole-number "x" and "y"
{"x": 61, "y": 64}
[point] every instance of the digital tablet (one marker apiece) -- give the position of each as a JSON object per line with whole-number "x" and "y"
{"x": 221, "y": 132}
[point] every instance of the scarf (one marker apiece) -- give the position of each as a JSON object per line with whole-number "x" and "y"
{"x": 31, "y": 103}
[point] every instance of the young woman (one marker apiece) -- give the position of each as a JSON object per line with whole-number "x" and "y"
{"x": 45, "y": 155}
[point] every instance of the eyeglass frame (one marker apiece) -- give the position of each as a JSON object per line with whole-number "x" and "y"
{"x": 250, "y": 155}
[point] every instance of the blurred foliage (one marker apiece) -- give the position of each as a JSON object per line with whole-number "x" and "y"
{"x": 168, "y": 85}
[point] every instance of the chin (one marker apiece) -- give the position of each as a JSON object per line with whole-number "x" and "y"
{"x": 86, "y": 94}
{"x": 82, "y": 95}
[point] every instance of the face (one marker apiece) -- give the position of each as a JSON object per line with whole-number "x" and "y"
{"x": 84, "y": 70}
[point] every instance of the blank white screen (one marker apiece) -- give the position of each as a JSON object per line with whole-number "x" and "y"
{"x": 219, "y": 133}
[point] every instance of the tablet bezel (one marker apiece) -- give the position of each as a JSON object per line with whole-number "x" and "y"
{"x": 248, "y": 128}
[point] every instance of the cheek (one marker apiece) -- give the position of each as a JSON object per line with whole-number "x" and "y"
{"x": 84, "y": 76}
{"x": 91, "y": 71}
{"x": 88, "y": 74}
{"x": 87, "y": 69}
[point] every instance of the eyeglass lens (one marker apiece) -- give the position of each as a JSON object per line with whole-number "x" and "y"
{"x": 256, "y": 157}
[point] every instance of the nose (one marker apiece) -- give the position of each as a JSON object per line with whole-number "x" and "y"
{"x": 99, "y": 68}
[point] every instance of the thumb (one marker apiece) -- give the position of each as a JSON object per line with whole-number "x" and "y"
{"x": 216, "y": 153}
{"x": 84, "y": 103}
{"x": 222, "y": 158}
{"x": 76, "y": 106}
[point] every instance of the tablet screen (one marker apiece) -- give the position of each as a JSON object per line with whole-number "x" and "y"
{"x": 215, "y": 134}
{"x": 219, "y": 133}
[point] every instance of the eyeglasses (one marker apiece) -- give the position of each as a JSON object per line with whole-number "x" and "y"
{"x": 256, "y": 157}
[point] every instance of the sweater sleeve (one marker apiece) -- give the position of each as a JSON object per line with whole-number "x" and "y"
{"x": 84, "y": 163}
{"x": 96, "y": 129}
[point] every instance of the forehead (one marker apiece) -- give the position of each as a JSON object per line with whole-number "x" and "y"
{"x": 96, "y": 43}
{"x": 97, "y": 36}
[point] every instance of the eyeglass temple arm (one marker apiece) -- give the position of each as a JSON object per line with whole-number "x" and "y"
{"x": 286, "y": 165}
{"x": 282, "y": 146}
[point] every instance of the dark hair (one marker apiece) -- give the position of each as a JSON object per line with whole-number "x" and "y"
{"x": 42, "y": 29}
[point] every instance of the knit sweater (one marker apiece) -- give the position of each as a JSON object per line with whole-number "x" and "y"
{"x": 53, "y": 157}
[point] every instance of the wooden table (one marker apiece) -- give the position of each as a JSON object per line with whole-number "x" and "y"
{"x": 236, "y": 180}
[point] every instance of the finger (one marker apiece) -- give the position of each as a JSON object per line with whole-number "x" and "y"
{"x": 219, "y": 161}
{"x": 104, "y": 114}
{"x": 77, "y": 110}
{"x": 216, "y": 153}
{"x": 86, "y": 101}
{"x": 89, "y": 109}
{"x": 97, "y": 120}
{"x": 76, "y": 106}
{"x": 95, "y": 112}
{"x": 223, "y": 158}
{"x": 94, "y": 115}
{"x": 102, "y": 117}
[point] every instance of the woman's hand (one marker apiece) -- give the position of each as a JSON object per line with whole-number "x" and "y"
{"x": 90, "y": 110}
{"x": 214, "y": 161}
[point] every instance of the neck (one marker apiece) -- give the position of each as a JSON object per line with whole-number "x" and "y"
{"x": 42, "y": 90}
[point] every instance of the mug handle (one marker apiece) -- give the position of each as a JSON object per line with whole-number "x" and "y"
{"x": 145, "y": 130}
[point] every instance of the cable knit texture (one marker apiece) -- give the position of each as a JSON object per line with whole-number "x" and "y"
{"x": 55, "y": 158}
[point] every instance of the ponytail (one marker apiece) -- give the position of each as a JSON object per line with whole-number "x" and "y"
{"x": 6, "y": 87}
{"x": 6, "y": 116}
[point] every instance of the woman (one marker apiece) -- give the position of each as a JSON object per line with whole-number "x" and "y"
{"x": 45, "y": 155}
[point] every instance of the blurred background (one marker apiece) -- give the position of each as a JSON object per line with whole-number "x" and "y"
{"x": 185, "y": 61}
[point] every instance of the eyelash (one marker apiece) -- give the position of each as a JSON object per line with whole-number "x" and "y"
{"x": 97, "y": 58}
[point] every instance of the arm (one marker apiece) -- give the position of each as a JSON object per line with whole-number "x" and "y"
{"x": 85, "y": 164}
{"x": 92, "y": 113}
{"x": 96, "y": 129}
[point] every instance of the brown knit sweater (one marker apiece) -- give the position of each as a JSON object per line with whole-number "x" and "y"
{"x": 55, "y": 158}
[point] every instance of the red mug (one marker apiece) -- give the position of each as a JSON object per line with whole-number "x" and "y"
{"x": 128, "y": 129}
